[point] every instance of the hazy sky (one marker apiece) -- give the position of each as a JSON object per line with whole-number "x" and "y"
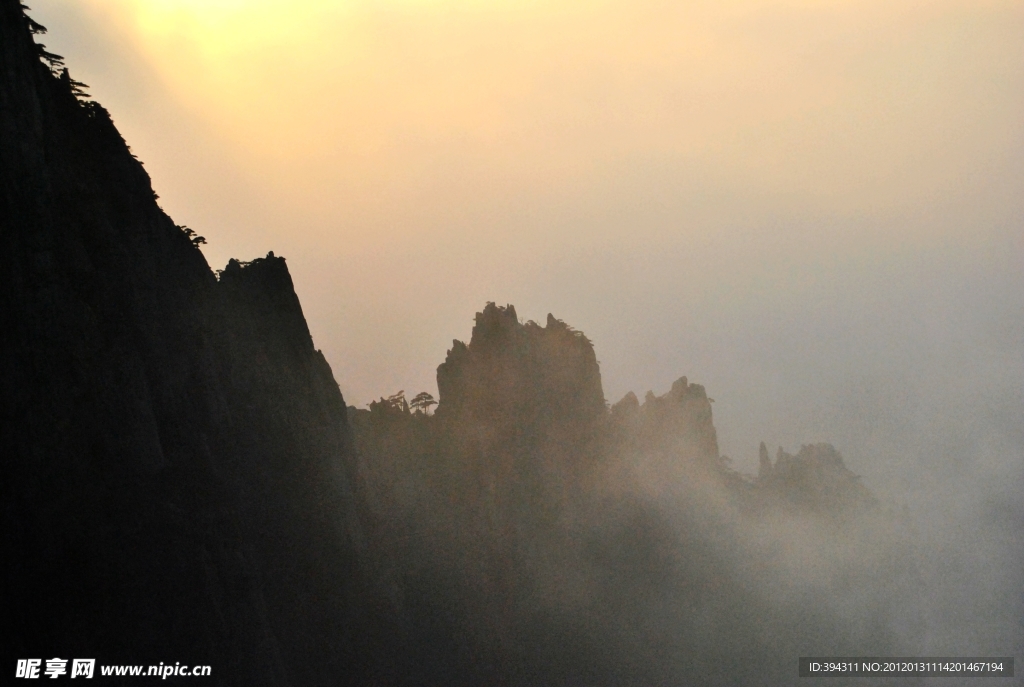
{"x": 816, "y": 209}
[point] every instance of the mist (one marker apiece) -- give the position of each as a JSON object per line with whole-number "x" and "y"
{"x": 535, "y": 536}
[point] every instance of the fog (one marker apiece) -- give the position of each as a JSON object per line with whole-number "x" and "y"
{"x": 811, "y": 209}
{"x": 531, "y": 534}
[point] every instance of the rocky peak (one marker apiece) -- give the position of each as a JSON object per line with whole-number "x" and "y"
{"x": 815, "y": 477}
{"x": 677, "y": 425}
{"x": 764, "y": 464}
{"x": 261, "y": 301}
{"x": 514, "y": 372}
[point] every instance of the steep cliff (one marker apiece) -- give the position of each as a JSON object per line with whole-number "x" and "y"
{"x": 522, "y": 401}
{"x": 175, "y": 451}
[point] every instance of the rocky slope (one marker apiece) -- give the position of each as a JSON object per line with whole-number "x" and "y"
{"x": 176, "y": 455}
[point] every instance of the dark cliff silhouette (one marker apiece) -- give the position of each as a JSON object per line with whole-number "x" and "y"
{"x": 176, "y": 452}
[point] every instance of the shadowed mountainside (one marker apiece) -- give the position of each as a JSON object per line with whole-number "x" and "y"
{"x": 176, "y": 453}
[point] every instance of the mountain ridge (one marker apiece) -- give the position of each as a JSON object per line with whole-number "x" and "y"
{"x": 176, "y": 484}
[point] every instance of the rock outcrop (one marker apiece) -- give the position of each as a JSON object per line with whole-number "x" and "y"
{"x": 815, "y": 478}
{"x": 676, "y": 427}
{"x": 540, "y": 378}
{"x": 522, "y": 402}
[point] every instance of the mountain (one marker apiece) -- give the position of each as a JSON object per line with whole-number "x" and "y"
{"x": 525, "y": 533}
{"x": 177, "y": 461}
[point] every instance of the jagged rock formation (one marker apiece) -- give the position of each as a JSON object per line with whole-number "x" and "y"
{"x": 175, "y": 450}
{"x": 670, "y": 435}
{"x": 524, "y": 511}
{"x": 522, "y": 384}
{"x": 814, "y": 478}
{"x": 764, "y": 463}
{"x": 486, "y": 479}
{"x": 522, "y": 402}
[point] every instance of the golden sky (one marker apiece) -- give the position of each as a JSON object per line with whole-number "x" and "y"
{"x": 784, "y": 200}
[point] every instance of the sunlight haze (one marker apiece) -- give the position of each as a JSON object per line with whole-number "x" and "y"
{"x": 812, "y": 208}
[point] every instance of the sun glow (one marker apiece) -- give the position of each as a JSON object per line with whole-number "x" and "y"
{"x": 820, "y": 100}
